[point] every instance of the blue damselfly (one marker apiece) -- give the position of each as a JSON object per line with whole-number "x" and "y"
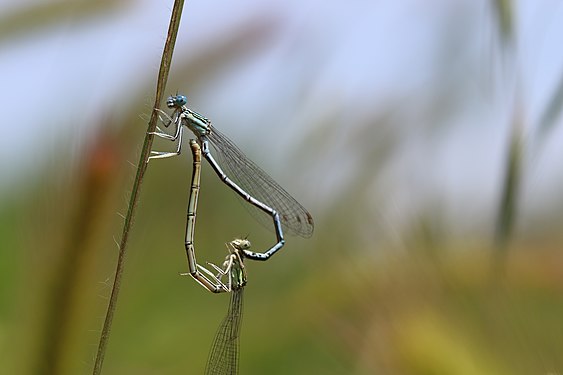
{"x": 243, "y": 176}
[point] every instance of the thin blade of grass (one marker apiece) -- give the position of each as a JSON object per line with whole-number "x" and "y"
{"x": 141, "y": 168}
{"x": 512, "y": 181}
{"x": 552, "y": 111}
{"x": 504, "y": 11}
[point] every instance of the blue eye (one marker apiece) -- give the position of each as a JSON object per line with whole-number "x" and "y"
{"x": 181, "y": 100}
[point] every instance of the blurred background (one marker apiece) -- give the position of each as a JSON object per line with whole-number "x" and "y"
{"x": 423, "y": 136}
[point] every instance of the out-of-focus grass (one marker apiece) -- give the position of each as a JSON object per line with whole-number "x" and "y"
{"x": 504, "y": 12}
{"x": 317, "y": 307}
{"x": 41, "y": 16}
{"x": 410, "y": 314}
{"x": 509, "y": 199}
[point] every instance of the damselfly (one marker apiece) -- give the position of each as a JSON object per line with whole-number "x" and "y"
{"x": 224, "y": 355}
{"x": 244, "y": 177}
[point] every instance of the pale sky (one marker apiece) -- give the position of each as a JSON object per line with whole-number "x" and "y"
{"x": 356, "y": 58}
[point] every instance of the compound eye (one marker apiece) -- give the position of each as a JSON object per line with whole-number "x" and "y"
{"x": 181, "y": 100}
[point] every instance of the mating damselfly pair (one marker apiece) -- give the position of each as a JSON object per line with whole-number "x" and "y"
{"x": 243, "y": 176}
{"x": 257, "y": 188}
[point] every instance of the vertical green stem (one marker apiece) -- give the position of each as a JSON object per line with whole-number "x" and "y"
{"x": 509, "y": 199}
{"x": 141, "y": 168}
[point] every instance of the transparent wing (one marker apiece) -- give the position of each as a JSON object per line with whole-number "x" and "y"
{"x": 224, "y": 355}
{"x": 294, "y": 218}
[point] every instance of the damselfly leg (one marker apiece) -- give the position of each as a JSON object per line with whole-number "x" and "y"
{"x": 178, "y": 132}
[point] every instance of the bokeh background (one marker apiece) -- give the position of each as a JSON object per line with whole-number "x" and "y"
{"x": 423, "y": 136}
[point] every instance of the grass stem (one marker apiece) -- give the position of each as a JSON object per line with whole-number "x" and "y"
{"x": 141, "y": 168}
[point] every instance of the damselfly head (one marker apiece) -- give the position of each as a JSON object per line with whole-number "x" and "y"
{"x": 176, "y": 101}
{"x": 241, "y": 244}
